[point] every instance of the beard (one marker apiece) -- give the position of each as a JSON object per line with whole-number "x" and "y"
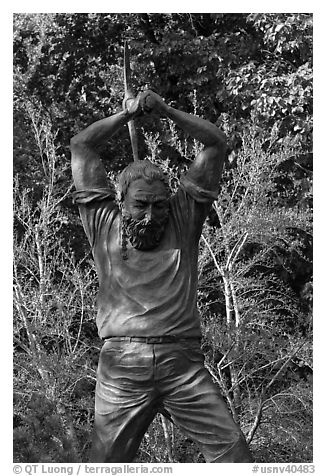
{"x": 144, "y": 234}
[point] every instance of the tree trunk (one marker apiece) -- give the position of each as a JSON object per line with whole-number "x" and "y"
{"x": 232, "y": 326}
{"x": 234, "y": 376}
{"x": 165, "y": 423}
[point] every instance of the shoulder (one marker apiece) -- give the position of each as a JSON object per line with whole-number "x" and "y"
{"x": 94, "y": 195}
{"x": 206, "y": 170}
{"x": 196, "y": 189}
{"x": 98, "y": 209}
{"x": 190, "y": 206}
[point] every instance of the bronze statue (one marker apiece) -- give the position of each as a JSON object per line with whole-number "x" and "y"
{"x": 145, "y": 247}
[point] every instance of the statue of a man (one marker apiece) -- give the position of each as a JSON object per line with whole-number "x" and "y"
{"x": 145, "y": 247}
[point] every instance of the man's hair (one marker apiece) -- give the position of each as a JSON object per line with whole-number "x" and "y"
{"x": 144, "y": 169}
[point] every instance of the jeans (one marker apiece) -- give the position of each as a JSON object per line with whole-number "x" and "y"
{"x": 135, "y": 380}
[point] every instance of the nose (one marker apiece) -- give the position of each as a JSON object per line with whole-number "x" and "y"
{"x": 149, "y": 213}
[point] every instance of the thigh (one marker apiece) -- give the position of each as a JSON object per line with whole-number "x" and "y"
{"x": 197, "y": 407}
{"x": 125, "y": 402}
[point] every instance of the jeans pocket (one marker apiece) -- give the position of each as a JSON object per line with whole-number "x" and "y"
{"x": 110, "y": 358}
{"x": 192, "y": 351}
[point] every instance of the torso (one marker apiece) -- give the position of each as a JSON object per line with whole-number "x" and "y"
{"x": 151, "y": 293}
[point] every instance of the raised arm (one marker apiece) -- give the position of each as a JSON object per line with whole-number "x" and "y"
{"x": 87, "y": 168}
{"x": 207, "y": 167}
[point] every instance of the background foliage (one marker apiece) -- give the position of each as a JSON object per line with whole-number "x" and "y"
{"x": 252, "y": 75}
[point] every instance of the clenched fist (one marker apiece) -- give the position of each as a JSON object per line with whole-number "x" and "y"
{"x": 152, "y": 102}
{"x": 146, "y": 102}
{"x": 133, "y": 105}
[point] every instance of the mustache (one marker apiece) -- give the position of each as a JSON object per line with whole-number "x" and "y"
{"x": 144, "y": 225}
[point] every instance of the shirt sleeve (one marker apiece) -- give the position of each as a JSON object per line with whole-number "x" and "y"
{"x": 192, "y": 203}
{"x": 199, "y": 194}
{"x": 96, "y": 208}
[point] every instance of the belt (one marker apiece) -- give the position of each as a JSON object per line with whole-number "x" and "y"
{"x": 152, "y": 340}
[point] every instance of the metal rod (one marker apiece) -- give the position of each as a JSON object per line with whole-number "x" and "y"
{"x": 129, "y": 95}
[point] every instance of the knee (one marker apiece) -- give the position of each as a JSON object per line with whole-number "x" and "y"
{"x": 238, "y": 452}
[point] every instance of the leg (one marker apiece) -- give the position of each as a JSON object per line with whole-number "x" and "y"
{"x": 197, "y": 407}
{"x": 124, "y": 401}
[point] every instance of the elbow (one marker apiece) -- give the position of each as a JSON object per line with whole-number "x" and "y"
{"x": 78, "y": 150}
{"x": 75, "y": 142}
{"x": 78, "y": 143}
{"x": 220, "y": 143}
{"x": 217, "y": 140}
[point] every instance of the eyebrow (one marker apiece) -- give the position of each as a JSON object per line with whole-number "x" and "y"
{"x": 150, "y": 197}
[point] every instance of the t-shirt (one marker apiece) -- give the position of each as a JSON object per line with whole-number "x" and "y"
{"x": 151, "y": 293}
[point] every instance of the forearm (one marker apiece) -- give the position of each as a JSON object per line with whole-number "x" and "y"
{"x": 100, "y": 131}
{"x": 198, "y": 128}
{"x": 87, "y": 168}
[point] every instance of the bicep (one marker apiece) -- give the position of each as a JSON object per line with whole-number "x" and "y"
{"x": 87, "y": 168}
{"x": 206, "y": 169}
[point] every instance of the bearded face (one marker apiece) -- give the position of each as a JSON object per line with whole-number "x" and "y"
{"x": 145, "y": 213}
{"x": 144, "y": 234}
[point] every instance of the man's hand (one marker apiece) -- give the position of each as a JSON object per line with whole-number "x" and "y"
{"x": 152, "y": 102}
{"x": 146, "y": 102}
{"x": 133, "y": 105}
